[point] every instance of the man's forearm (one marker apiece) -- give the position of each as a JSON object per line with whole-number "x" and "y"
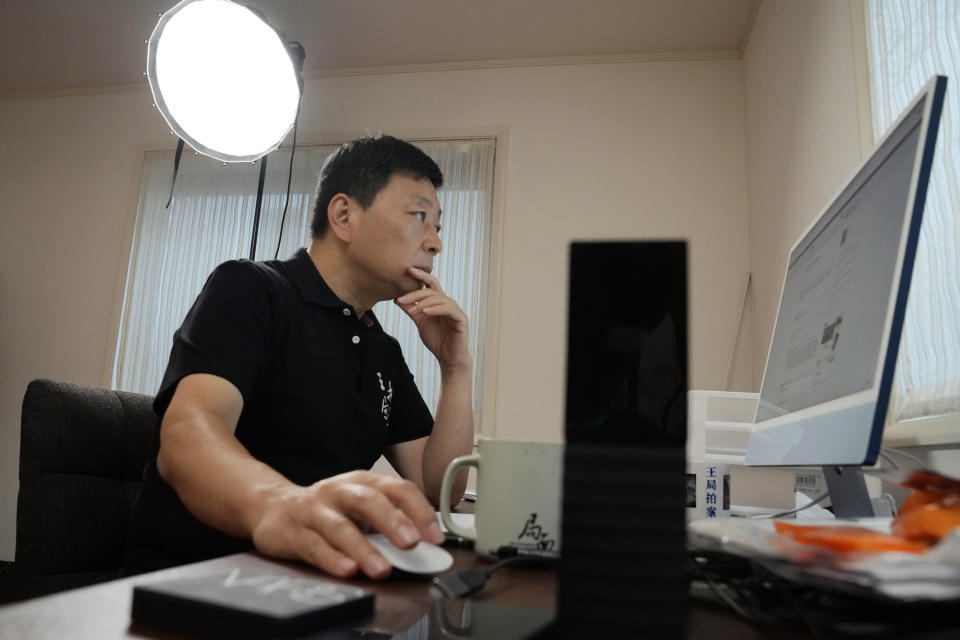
{"x": 230, "y": 493}
{"x": 452, "y": 432}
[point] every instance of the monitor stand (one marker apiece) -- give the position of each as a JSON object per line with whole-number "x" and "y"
{"x": 848, "y": 491}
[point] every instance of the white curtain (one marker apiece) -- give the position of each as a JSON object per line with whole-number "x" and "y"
{"x": 910, "y": 41}
{"x": 211, "y": 219}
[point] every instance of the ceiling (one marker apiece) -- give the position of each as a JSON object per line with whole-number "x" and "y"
{"x": 52, "y": 46}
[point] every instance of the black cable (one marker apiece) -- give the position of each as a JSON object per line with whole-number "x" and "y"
{"x": 791, "y": 600}
{"x": 176, "y": 170}
{"x": 463, "y": 583}
{"x": 286, "y": 202}
{"x": 761, "y": 596}
{"x": 256, "y": 211}
{"x": 721, "y": 593}
{"x": 750, "y": 590}
{"x": 733, "y": 580}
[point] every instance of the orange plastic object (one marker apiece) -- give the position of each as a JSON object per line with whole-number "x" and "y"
{"x": 848, "y": 539}
{"x": 929, "y": 514}
{"x": 930, "y": 521}
{"x": 931, "y": 482}
{"x": 918, "y": 499}
{"x": 931, "y": 511}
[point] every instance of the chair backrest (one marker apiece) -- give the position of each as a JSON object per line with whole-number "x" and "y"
{"x": 82, "y": 453}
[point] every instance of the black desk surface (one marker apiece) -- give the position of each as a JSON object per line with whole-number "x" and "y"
{"x": 403, "y": 604}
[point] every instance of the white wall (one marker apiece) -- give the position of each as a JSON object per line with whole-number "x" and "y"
{"x": 808, "y": 127}
{"x": 634, "y": 150}
{"x": 68, "y": 174}
{"x": 802, "y": 132}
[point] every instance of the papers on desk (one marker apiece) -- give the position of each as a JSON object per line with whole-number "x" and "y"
{"x": 814, "y": 511}
{"x": 934, "y": 575}
{"x": 801, "y": 500}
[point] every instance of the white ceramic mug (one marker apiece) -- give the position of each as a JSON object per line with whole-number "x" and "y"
{"x": 518, "y": 496}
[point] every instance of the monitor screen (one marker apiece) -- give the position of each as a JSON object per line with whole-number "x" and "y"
{"x": 830, "y": 367}
{"x": 838, "y": 287}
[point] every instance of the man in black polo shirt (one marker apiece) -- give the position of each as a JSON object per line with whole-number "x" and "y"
{"x": 282, "y": 389}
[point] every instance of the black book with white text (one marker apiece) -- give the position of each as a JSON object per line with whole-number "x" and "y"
{"x": 247, "y": 603}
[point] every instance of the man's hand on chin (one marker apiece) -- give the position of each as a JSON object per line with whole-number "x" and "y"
{"x": 321, "y": 524}
{"x": 443, "y": 329}
{"x": 440, "y": 320}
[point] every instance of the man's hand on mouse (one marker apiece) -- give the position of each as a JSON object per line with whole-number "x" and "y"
{"x": 321, "y": 524}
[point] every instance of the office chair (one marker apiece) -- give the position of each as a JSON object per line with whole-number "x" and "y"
{"x": 82, "y": 453}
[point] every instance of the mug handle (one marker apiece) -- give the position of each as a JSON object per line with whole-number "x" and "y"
{"x": 446, "y": 485}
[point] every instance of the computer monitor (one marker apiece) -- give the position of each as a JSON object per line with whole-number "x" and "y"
{"x": 826, "y": 385}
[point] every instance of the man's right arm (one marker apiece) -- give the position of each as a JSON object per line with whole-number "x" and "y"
{"x": 226, "y": 488}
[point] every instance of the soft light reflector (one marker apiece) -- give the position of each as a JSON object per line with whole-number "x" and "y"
{"x": 223, "y": 79}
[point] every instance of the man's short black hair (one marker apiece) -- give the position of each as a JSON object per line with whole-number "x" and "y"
{"x": 362, "y": 167}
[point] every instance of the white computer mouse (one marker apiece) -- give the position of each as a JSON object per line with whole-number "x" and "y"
{"x": 424, "y": 558}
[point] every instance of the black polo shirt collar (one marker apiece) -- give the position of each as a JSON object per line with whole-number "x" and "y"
{"x": 309, "y": 283}
{"x": 313, "y": 288}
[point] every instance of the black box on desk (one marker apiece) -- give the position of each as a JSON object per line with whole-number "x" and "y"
{"x": 244, "y": 603}
{"x": 623, "y": 565}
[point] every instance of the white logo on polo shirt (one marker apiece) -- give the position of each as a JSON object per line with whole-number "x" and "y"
{"x": 387, "y": 398}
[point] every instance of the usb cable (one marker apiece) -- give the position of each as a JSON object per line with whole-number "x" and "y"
{"x": 463, "y": 583}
